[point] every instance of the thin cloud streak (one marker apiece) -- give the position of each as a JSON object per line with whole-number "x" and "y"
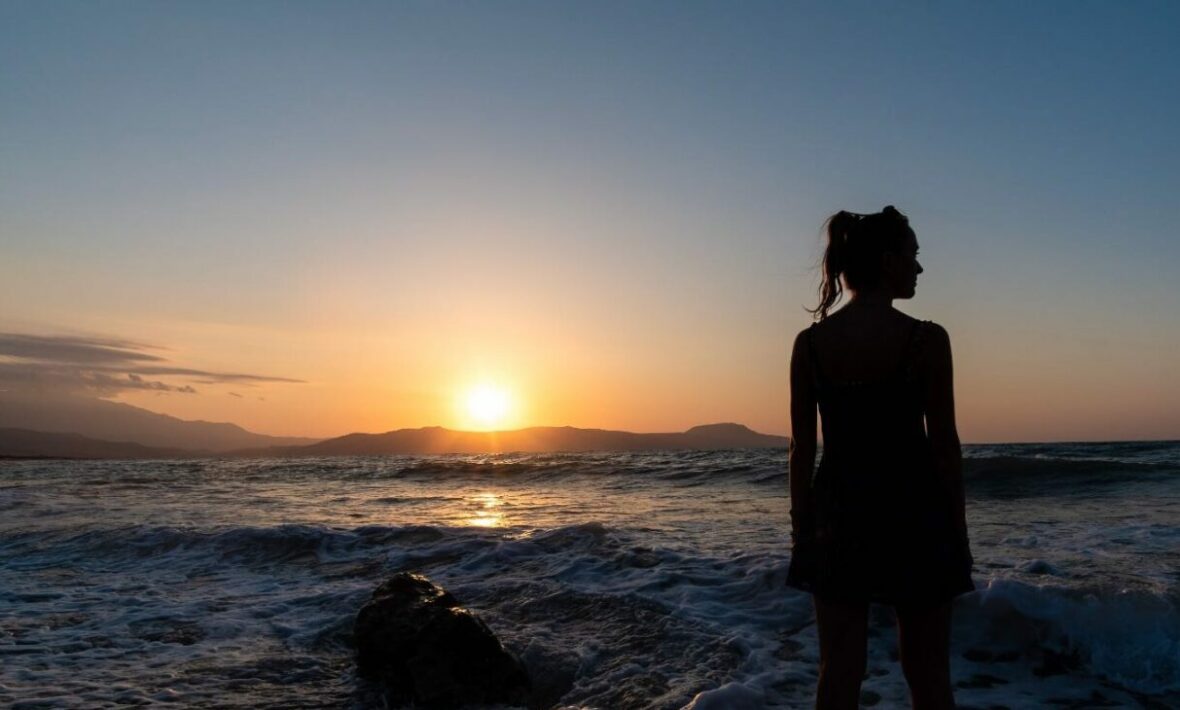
{"x": 207, "y": 377}
{"x": 103, "y": 366}
{"x": 73, "y": 349}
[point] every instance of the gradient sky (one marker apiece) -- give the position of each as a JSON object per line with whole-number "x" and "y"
{"x": 612, "y": 210}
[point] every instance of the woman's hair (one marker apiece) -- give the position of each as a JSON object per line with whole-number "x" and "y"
{"x": 856, "y": 243}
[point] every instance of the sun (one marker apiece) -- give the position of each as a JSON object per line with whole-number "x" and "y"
{"x": 488, "y": 405}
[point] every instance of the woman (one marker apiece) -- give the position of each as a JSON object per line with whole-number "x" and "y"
{"x": 883, "y": 518}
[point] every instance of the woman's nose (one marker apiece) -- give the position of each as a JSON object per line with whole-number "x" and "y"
{"x": 919, "y": 265}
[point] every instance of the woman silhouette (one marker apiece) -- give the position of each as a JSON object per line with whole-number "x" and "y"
{"x": 883, "y": 519}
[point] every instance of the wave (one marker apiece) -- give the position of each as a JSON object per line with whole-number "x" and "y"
{"x": 251, "y": 545}
{"x": 679, "y": 468}
{"x": 1033, "y": 475}
{"x": 1165, "y": 452}
{"x": 996, "y": 469}
{"x": 1129, "y": 637}
{"x": 756, "y": 467}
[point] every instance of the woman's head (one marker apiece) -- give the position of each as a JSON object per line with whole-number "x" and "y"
{"x": 868, "y": 252}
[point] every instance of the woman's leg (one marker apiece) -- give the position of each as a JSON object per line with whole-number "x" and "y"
{"x": 924, "y": 637}
{"x": 843, "y": 635}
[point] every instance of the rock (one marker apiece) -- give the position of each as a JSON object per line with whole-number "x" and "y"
{"x": 1038, "y": 567}
{"x": 425, "y": 649}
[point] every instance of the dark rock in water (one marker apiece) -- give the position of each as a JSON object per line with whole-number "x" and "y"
{"x": 415, "y": 639}
{"x": 1038, "y": 567}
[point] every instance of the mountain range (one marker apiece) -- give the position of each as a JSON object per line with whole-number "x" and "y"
{"x": 96, "y": 428}
{"x": 439, "y": 440}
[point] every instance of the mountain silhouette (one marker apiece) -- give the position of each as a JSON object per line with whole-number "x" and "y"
{"x": 438, "y": 440}
{"x": 23, "y": 443}
{"x": 119, "y": 422}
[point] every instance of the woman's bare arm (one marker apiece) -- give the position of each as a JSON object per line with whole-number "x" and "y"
{"x": 940, "y": 422}
{"x": 803, "y": 438}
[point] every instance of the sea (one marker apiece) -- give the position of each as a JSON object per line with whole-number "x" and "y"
{"x": 622, "y": 580}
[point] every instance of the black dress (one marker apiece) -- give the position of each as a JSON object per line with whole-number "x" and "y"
{"x": 884, "y": 530}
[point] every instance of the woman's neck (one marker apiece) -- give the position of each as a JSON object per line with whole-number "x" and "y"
{"x": 875, "y": 300}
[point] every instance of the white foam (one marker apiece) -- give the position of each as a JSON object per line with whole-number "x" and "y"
{"x": 731, "y": 696}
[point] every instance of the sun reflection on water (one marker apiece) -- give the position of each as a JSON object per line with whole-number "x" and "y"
{"x": 486, "y": 514}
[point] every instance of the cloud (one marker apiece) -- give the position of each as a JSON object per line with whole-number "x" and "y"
{"x": 204, "y": 376}
{"x": 74, "y": 349}
{"x": 103, "y": 366}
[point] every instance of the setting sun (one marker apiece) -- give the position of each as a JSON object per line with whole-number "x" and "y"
{"x": 488, "y": 405}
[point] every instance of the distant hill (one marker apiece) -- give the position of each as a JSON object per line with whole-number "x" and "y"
{"x": 437, "y": 440}
{"x": 119, "y": 422}
{"x": 23, "y": 443}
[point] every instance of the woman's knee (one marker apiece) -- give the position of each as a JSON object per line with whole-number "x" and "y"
{"x": 844, "y": 664}
{"x": 841, "y": 625}
{"x": 926, "y": 627}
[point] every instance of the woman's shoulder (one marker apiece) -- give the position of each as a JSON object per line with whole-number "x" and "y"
{"x": 802, "y": 343}
{"x": 930, "y": 330}
{"x": 931, "y": 344}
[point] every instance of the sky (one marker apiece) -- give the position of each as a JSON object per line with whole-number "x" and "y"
{"x": 318, "y": 218}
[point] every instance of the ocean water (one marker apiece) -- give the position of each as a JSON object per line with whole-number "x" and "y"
{"x": 636, "y": 580}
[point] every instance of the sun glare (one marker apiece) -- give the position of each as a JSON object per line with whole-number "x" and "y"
{"x": 486, "y": 514}
{"x": 487, "y": 405}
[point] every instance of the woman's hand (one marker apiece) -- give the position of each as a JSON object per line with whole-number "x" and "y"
{"x": 802, "y": 525}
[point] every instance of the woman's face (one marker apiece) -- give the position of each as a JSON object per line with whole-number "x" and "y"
{"x": 902, "y": 268}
